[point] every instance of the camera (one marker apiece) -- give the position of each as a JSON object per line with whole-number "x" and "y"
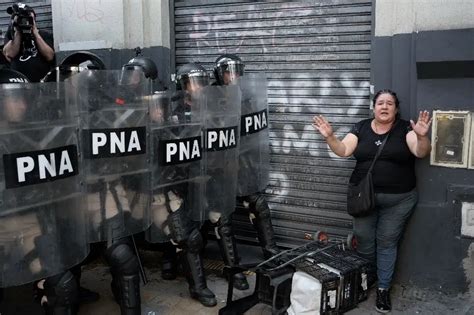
{"x": 24, "y": 19}
{"x": 24, "y": 22}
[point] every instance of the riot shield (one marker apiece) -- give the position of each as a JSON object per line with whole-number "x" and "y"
{"x": 221, "y": 142}
{"x": 113, "y": 120}
{"x": 254, "y": 157}
{"x": 177, "y": 166}
{"x": 42, "y": 225}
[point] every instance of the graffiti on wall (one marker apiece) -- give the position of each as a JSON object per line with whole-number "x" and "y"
{"x": 206, "y": 36}
{"x": 300, "y": 137}
{"x": 261, "y": 34}
{"x": 86, "y": 11}
{"x": 290, "y": 139}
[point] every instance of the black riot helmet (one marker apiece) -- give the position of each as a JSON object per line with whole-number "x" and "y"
{"x": 74, "y": 63}
{"x": 190, "y": 76}
{"x": 144, "y": 64}
{"x": 11, "y": 76}
{"x": 227, "y": 68}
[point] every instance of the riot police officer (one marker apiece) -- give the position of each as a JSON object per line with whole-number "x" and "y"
{"x": 39, "y": 226}
{"x": 178, "y": 181}
{"x": 115, "y": 184}
{"x": 169, "y": 259}
{"x": 69, "y": 66}
{"x": 228, "y": 69}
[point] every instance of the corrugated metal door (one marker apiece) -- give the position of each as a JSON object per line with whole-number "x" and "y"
{"x": 42, "y": 9}
{"x": 316, "y": 57}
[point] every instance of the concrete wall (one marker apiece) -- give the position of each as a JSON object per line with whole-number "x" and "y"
{"x": 407, "y": 16}
{"x": 415, "y": 46}
{"x": 112, "y": 29}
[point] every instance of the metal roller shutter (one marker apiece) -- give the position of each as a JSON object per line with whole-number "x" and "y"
{"x": 42, "y": 9}
{"x": 316, "y": 55}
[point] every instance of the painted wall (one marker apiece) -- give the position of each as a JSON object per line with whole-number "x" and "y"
{"x": 407, "y": 16}
{"x": 112, "y": 29}
{"x": 415, "y": 46}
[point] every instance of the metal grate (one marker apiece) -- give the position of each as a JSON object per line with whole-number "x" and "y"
{"x": 316, "y": 55}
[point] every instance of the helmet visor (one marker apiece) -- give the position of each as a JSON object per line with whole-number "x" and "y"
{"x": 199, "y": 81}
{"x": 229, "y": 72}
{"x": 131, "y": 75}
{"x": 192, "y": 83}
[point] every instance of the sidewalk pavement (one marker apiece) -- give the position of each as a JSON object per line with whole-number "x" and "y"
{"x": 165, "y": 297}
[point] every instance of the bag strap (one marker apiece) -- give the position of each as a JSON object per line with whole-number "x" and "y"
{"x": 381, "y": 148}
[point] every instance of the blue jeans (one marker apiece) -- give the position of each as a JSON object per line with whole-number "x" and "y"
{"x": 379, "y": 233}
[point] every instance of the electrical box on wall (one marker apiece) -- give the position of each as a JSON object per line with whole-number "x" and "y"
{"x": 450, "y": 137}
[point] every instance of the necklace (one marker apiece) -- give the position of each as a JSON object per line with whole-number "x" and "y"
{"x": 377, "y": 129}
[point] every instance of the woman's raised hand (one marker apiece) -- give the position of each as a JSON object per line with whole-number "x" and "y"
{"x": 323, "y": 126}
{"x": 422, "y": 124}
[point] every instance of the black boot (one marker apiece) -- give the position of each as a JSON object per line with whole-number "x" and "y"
{"x": 240, "y": 281}
{"x": 62, "y": 295}
{"x": 228, "y": 248}
{"x": 194, "y": 270}
{"x": 86, "y": 296}
{"x": 169, "y": 262}
{"x": 125, "y": 278}
{"x": 263, "y": 225}
{"x": 126, "y": 290}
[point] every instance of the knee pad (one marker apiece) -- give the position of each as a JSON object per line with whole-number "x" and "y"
{"x": 194, "y": 242}
{"x": 122, "y": 259}
{"x": 259, "y": 206}
{"x": 61, "y": 290}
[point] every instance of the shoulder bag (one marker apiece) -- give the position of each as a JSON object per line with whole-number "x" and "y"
{"x": 361, "y": 196}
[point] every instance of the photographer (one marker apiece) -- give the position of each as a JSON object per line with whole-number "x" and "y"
{"x": 28, "y": 49}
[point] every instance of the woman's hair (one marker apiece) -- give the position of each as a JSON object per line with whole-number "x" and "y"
{"x": 387, "y": 91}
{"x": 395, "y": 97}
